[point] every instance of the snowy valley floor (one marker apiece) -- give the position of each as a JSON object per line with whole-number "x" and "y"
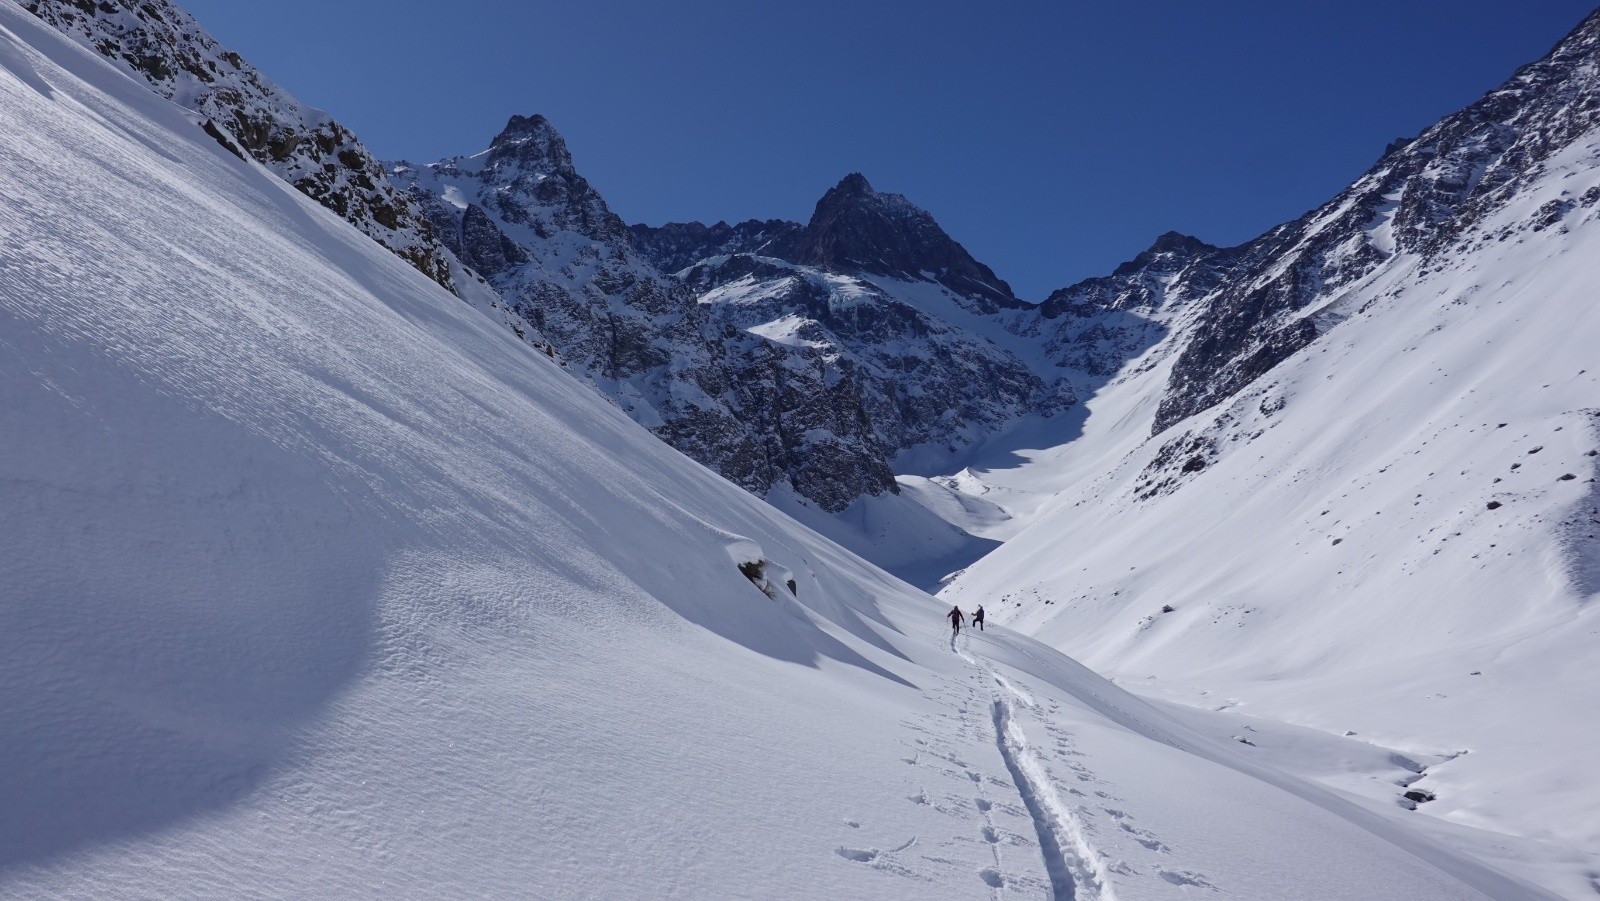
{"x": 1024, "y": 752}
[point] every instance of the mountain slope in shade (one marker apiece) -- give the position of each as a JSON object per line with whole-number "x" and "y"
{"x": 331, "y": 587}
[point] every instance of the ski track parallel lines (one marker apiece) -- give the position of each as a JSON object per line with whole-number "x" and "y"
{"x": 1074, "y": 873}
{"x": 1050, "y": 846}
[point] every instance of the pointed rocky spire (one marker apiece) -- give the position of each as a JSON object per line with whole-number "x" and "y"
{"x": 858, "y": 229}
{"x": 530, "y": 142}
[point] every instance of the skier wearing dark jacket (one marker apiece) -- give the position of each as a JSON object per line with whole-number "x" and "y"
{"x": 955, "y": 619}
{"x": 977, "y": 617}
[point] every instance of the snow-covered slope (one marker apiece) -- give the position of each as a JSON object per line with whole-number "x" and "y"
{"x": 1418, "y": 202}
{"x": 316, "y": 582}
{"x": 161, "y": 43}
{"x": 1391, "y": 530}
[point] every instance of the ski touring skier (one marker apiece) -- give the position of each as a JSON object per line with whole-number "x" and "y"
{"x": 955, "y": 620}
{"x": 977, "y": 617}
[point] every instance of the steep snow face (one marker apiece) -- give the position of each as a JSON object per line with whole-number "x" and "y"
{"x": 1417, "y": 200}
{"x": 316, "y": 582}
{"x": 166, "y": 47}
{"x": 1393, "y": 532}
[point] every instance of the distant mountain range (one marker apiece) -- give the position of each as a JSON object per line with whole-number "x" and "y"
{"x": 822, "y": 358}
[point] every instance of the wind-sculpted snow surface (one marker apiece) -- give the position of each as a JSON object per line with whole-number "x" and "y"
{"x": 165, "y": 46}
{"x": 316, "y": 582}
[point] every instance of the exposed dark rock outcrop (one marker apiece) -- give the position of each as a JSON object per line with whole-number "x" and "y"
{"x": 857, "y": 229}
{"x": 678, "y": 245}
{"x": 761, "y": 412}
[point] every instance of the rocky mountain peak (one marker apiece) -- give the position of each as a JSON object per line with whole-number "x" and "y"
{"x": 530, "y": 143}
{"x": 854, "y": 204}
{"x": 1175, "y": 266}
{"x": 1171, "y": 250}
{"x": 854, "y": 184}
{"x": 1178, "y": 242}
{"x": 531, "y": 183}
{"x": 855, "y": 228}
{"x": 520, "y": 127}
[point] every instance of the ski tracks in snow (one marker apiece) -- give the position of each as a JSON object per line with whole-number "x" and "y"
{"x": 957, "y": 780}
{"x": 1076, "y": 870}
{"x": 1045, "y": 802}
{"x": 1068, "y": 857}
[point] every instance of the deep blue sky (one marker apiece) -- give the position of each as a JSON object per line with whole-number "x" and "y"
{"x": 1053, "y": 139}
